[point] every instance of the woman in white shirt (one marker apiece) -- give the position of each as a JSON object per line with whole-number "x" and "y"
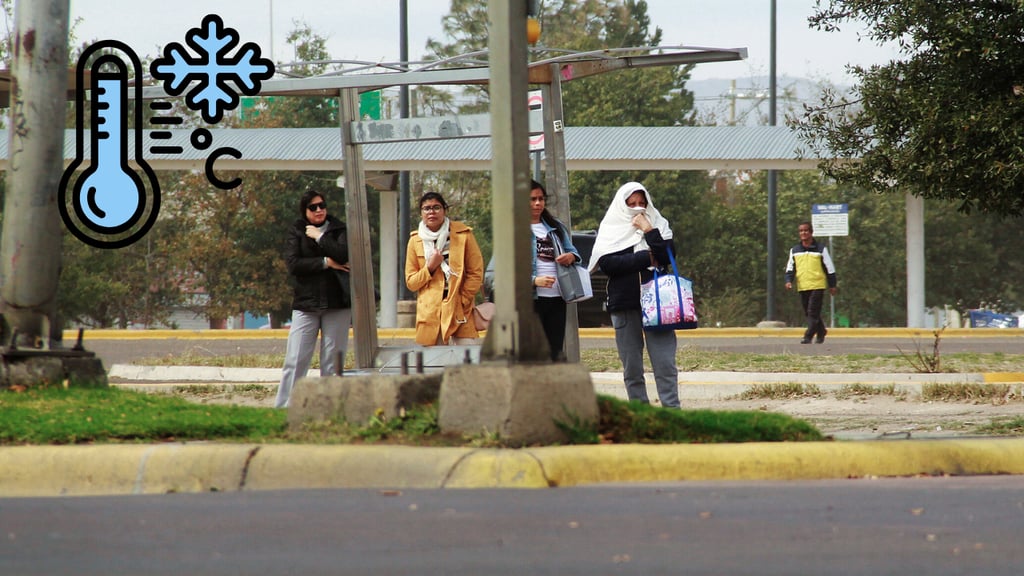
{"x": 547, "y": 300}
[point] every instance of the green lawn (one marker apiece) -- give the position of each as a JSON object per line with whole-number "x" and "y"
{"x": 60, "y": 415}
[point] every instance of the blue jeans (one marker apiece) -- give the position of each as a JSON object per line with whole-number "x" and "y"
{"x": 630, "y": 338}
{"x": 332, "y": 326}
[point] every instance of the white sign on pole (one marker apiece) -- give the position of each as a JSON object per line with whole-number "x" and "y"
{"x": 830, "y": 219}
{"x": 535, "y": 102}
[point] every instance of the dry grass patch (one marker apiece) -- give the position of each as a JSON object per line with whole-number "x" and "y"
{"x": 973, "y": 392}
{"x": 789, "y": 390}
{"x": 861, "y": 390}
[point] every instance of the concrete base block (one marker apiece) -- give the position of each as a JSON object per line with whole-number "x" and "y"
{"x": 28, "y": 370}
{"x": 520, "y": 402}
{"x": 85, "y": 372}
{"x": 36, "y": 371}
{"x": 771, "y": 324}
{"x": 355, "y": 399}
{"x": 406, "y": 314}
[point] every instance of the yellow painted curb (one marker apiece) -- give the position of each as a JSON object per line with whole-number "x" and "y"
{"x": 163, "y": 468}
{"x": 575, "y": 466}
{"x": 121, "y": 469}
{"x": 1003, "y": 377}
{"x": 284, "y": 466}
{"x": 498, "y": 469}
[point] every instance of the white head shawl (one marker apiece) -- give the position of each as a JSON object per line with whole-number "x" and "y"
{"x": 617, "y": 232}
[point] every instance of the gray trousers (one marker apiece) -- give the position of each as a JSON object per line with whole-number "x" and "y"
{"x": 661, "y": 348}
{"x": 332, "y": 326}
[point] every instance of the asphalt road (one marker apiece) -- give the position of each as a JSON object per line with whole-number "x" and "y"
{"x": 128, "y": 351}
{"x": 925, "y": 525}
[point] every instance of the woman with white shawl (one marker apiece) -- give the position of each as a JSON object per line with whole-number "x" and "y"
{"x": 632, "y": 240}
{"x": 445, "y": 268}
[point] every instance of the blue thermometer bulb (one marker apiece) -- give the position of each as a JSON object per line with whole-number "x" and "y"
{"x": 109, "y": 196}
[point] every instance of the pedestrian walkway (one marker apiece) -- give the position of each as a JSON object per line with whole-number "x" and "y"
{"x": 692, "y": 385}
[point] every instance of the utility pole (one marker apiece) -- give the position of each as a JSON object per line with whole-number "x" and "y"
{"x": 772, "y": 182}
{"x": 30, "y": 246}
{"x": 404, "y": 202}
{"x": 515, "y": 333}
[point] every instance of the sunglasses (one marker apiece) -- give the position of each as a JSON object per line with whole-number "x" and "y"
{"x": 317, "y": 206}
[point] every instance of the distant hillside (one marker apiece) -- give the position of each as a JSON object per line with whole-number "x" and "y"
{"x": 715, "y": 98}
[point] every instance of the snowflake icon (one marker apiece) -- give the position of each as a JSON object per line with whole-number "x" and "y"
{"x": 213, "y": 68}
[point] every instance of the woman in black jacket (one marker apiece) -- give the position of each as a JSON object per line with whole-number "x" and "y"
{"x": 633, "y": 239}
{"x": 316, "y": 255}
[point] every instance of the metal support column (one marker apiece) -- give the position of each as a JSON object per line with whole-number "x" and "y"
{"x": 364, "y": 306}
{"x": 404, "y": 202}
{"x": 772, "y": 181}
{"x": 558, "y": 187}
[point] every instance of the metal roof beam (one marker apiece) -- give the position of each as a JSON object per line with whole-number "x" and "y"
{"x": 580, "y": 65}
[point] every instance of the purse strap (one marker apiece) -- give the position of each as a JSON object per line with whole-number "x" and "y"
{"x": 559, "y": 249}
{"x": 672, "y": 259}
{"x": 657, "y": 292}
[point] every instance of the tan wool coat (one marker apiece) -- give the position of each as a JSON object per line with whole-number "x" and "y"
{"x": 436, "y": 315}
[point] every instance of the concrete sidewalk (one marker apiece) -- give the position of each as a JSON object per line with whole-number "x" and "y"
{"x": 692, "y": 385}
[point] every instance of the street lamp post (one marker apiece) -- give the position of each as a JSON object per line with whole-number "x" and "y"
{"x": 772, "y": 180}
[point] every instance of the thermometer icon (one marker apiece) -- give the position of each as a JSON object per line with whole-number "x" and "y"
{"x": 113, "y": 203}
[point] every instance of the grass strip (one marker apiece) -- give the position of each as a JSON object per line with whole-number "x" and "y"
{"x": 76, "y": 415}
{"x": 1003, "y": 427}
{"x": 635, "y": 422}
{"x": 56, "y": 415}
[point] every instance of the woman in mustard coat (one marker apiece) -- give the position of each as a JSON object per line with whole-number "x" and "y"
{"x": 445, "y": 268}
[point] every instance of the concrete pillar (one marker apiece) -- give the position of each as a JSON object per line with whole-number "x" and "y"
{"x": 915, "y": 261}
{"x": 30, "y": 246}
{"x": 515, "y": 333}
{"x": 389, "y": 277}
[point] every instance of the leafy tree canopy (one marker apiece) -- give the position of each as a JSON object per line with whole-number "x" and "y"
{"x": 945, "y": 120}
{"x": 637, "y": 97}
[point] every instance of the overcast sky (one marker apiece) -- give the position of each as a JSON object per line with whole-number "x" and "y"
{"x": 369, "y": 30}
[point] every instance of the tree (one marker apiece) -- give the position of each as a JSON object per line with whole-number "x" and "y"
{"x": 136, "y": 284}
{"x": 637, "y": 97}
{"x": 976, "y": 260}
{"x": 944, "y": 122}
{"x": 230, "y": 242}
{"x": 227, "y": 243}
{"x": 644, "y": 97}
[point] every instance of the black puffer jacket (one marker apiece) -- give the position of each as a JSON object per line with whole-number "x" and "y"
{"x": 627, "y": 269}
{"x": 315, "y": 286}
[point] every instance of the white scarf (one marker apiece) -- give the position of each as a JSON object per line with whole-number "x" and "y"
{"x": 617, "y": 232}
{"x": 436, "y": 242}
